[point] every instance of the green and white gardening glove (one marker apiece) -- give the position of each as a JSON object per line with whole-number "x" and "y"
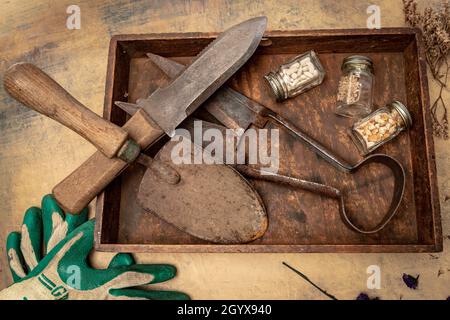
{"x": 41, "y": 231}
{"x": 64, "y": 272}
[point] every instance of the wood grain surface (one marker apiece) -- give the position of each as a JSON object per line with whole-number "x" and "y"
{"x": 36, "y": 152}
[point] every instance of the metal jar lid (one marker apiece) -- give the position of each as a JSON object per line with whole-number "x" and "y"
{"x": 277, "y": 85}
{"x": 403, "y": 112}
{"x": 357, "y": 60}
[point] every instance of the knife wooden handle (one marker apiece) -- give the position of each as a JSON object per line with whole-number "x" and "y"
{"x": 88, "y": 180}
{"x": 31, "y": 86}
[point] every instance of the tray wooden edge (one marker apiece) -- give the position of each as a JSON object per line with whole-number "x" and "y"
{"x": 431, "y": 154}
{"x": 271, "y": 33}
{"x": 249, "y": 248}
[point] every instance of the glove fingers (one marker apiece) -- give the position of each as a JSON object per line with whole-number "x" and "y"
{"x": 140, "y": 274}
{"x": 76, "y": 220}
{"x": 151, "y": 295}
{"x": 121, "y": 260}
{"x": 15, "y": 258}
{"x": 161, "y": 272}
{"x": 77, "y": 253}
{"x": 121, "y": 277}
{"x": 71, "y": 251}
{"x": 31, "y": 239}
{"x": 129, "y": 279}
{"x": 53, "y": 221}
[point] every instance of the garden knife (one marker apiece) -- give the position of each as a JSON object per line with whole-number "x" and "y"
{"x": 160, "y": 113}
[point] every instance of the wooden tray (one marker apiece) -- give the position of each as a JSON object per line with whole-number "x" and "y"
{"x": 299, "y": 221}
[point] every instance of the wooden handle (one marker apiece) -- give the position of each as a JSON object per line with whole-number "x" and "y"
{"x": 78, "y": 189}
{"x": 31, "y": 86}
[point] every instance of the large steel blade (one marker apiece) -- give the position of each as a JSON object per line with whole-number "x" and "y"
{"x": 231, "y": 108}
{"x": 170, "y": 105}
{"x": 228, "y": 106}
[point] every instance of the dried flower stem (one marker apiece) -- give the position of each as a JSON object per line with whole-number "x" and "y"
{"x": 435, "y": 26}
{"x": 310, "y": 282}
{"x": 440, "y": 127}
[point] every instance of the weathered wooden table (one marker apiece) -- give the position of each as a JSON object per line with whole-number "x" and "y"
{"x": 36, "y": 153}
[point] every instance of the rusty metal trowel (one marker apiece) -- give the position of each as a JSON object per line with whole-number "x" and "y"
{"x": 211, "y": 202}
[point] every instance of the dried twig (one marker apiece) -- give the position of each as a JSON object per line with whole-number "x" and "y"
{"x": 435, "y": 25}
{"x": 309, "y": 281}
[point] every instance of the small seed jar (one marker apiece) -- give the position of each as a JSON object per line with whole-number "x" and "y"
{"x": 354, "y": 97}
{"x": 380, "y": 126}
{"x": 296, "y": 76}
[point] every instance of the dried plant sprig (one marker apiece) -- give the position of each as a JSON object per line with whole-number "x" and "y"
{"x": 310, "y": 282}
{"x": 435, "y": 26}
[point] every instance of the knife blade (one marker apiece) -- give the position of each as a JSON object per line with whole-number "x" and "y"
{"x": 216, "y": 63}
{"x": 161, "y": 113}
{"x": 228, "y": 106}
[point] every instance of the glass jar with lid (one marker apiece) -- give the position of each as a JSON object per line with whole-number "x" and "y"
{"x": 296, "y": 76}
{"x": 355, "y": 90}
{"x": 380, "y": 126}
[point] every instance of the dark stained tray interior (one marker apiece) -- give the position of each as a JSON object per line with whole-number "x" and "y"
{"x": 298, "y": 220}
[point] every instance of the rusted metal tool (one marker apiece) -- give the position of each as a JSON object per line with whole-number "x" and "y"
{"x": 211, "y": 202}
{"x": 236, "y": 111}
{"x": 161, "y": 113}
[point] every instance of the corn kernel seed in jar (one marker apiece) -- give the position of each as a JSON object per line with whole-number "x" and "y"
{"x": 381, "y": 126}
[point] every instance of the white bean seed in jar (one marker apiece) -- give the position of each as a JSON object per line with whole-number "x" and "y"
{"x": 296, "y": 76}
